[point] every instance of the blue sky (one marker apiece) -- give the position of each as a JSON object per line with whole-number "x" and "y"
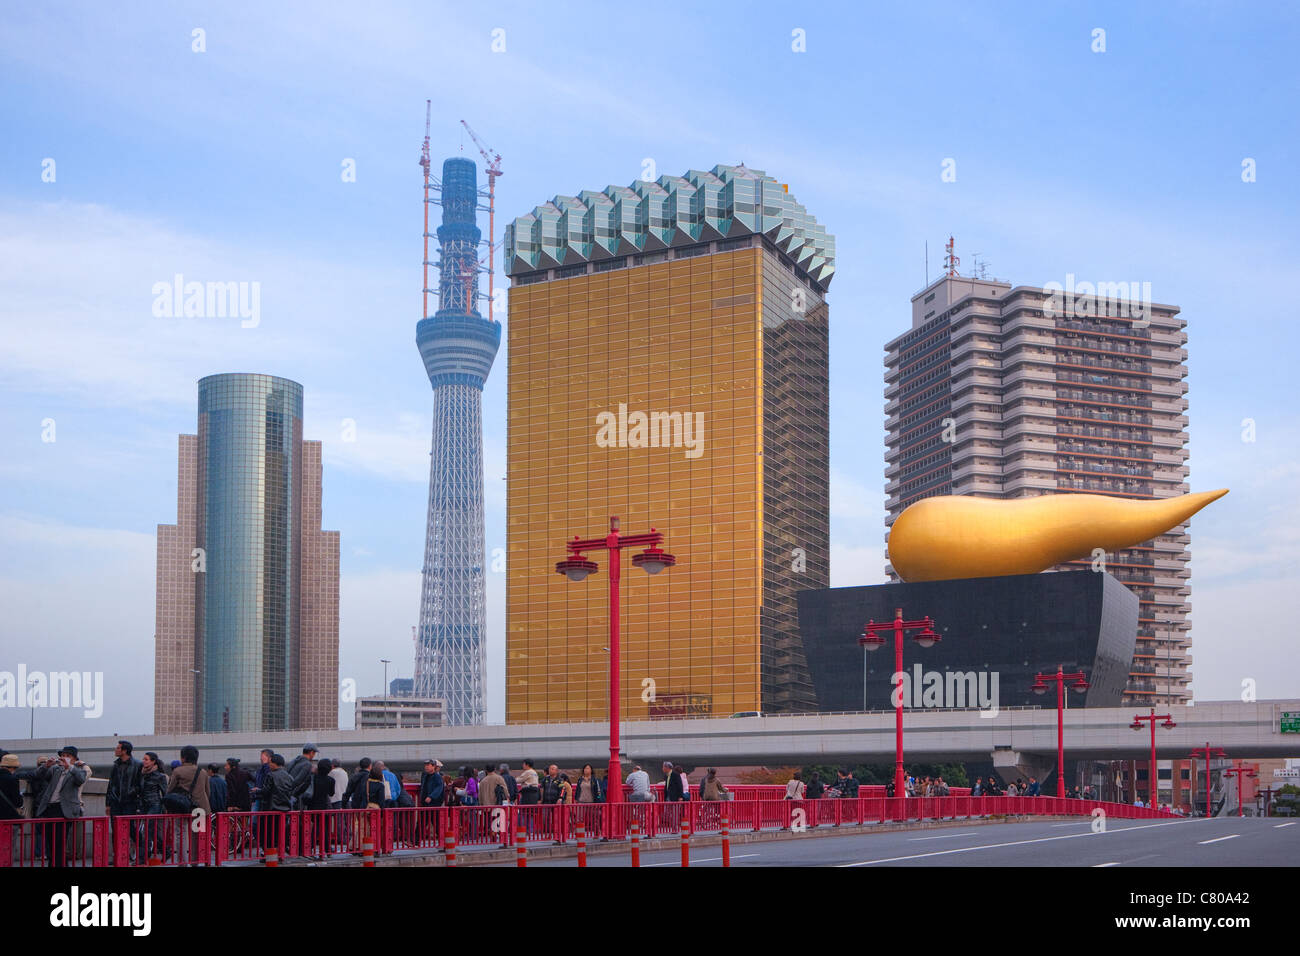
{"x": 225, "y": 165}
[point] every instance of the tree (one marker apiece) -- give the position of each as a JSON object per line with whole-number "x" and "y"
{"x": 767, "y": 775}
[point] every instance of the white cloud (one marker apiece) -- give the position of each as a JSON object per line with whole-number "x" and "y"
{"x": 78, "y": 598}
{"x": 78, "y": 309}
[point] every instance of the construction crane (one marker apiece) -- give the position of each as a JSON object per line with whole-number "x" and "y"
{"x": 492, "y": 166}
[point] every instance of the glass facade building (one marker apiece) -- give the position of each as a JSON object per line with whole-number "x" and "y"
{"x": 248, "y": 583}
{"x": 667, "y": 364}
{"x": 250, "y": 431}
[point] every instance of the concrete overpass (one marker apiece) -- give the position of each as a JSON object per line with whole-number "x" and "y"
{"x": 1017, "y": 741}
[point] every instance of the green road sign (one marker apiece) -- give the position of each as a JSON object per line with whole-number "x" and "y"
{"x": 1291, "y": 721}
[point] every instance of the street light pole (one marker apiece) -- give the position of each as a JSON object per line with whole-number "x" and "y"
{"x": 873, "y": 641}
{"x": 1215, "y": 752}
{"x": 31, "y": 704}
{"x": 1167, "y": 725}
{"x": 1078, "y": 684}
{"x": 576, "y": 568}
{"x": 1240, "y": 770}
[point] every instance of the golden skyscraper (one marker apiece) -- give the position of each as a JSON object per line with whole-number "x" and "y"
{"x": 667, "y": 364}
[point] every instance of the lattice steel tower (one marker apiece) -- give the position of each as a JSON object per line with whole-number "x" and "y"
{"x": 458, "y": 346}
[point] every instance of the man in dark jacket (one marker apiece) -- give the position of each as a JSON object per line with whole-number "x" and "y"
{"x": 551, "y": 785}
{"x": 123, "y": 795}
{"x": 237, "y": 790}
{"x": 512, "y": 785}
{"x": 299, "y": 772}
{"x": 354, "y": 798}
{"x": 673, "y": 784}
{"x": 11, "y": 801}
{"x": 279, "y": 798}
{"x": 432, "y": 788}
{"x": 279, "y": 786}
{"x": 260, "y": 779}
{"x": 849, "y": 785}
{"x": 218, "y": 794}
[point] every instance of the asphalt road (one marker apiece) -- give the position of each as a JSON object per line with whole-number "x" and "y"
{"x": 1193, "y": 843}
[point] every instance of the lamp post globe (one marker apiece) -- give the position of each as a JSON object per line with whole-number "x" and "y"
{"x": 653, "y": 559}
{"x": 576, "y": 567}
{"x": 870, "y": 639}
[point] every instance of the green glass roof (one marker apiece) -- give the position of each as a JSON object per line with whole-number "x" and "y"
{"x": 723, "y": 203}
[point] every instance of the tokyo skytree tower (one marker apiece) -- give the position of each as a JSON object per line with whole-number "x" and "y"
{"x": 458, "y": 347}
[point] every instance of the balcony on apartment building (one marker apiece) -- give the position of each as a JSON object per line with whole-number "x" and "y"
{"x": 1123, "y": 366}
{"x": 1118, "y": 329}
{"x": 1118, "y": 399}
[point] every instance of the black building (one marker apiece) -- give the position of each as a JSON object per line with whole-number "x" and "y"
{"x": 995, "y": 634}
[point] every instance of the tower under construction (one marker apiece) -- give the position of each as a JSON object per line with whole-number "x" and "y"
{"x": 458, "y": 347}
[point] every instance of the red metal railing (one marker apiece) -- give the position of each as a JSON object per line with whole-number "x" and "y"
{"x": 52, "y": 842}
{"x": 264, "y": 837}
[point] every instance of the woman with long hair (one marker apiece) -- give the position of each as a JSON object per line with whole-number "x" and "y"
{"x": 588, "y": 788}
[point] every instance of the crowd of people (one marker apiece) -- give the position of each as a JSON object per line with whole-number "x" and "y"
{"x": 149, "y": 786}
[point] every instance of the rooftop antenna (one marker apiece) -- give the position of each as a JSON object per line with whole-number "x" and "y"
{"x": 950, "y": 261}
{"x": 981, "y": 269}
{"x": 927, "y": 262}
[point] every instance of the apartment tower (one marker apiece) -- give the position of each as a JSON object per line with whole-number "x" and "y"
{"x": 668, "y": 365}
{"x": 1014, "y": 392}
{"x": 247, "y": 614}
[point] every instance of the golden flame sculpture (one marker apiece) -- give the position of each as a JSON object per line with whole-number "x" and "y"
{"x": 957, "y": 536}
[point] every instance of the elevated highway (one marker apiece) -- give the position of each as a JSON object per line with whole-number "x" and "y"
{"x": 1024, "y": 738}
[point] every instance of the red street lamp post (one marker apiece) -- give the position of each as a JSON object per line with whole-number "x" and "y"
{"x": 1167, "y": 725}
{"x": 872, "y": 642}
{"x": 575, "y": 567}
{"x": 1267, "y": 794}
{"x": 1078, "y": 684}
{"x": 1239, "y": 770}
{"x": 1209, "y": 753}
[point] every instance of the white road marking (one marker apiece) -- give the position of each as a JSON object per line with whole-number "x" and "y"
{"x": 707, "y": 859}
{"x": 1100, "y": 865}
{"x": 946, "y": 836}
{"x": 1232, "y": 836}
{"x": 1278, "y": 826}
{"x": 996, "y": 846}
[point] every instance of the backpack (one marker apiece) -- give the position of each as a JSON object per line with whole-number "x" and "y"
{"x": 182, "y": 801}
{"x": 359, "y": 791}
{"x": 303, "y": 789}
